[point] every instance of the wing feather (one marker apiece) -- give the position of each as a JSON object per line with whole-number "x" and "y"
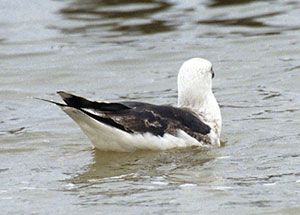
{"x": 138, "y": 117}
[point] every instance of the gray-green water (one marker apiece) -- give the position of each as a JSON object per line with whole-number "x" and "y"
{"x": 118, "y": 50}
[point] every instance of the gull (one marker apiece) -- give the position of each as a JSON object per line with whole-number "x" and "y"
{"x": 129, "y": 126}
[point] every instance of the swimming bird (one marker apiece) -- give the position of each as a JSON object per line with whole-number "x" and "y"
{"x": 129, "y": 126}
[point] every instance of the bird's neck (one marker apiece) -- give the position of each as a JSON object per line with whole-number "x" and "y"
{"x": 206, "y": 106}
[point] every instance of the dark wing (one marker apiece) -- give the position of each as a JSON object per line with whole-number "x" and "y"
{"x": 138, "y": 117}
{"x": 80, "y": 102}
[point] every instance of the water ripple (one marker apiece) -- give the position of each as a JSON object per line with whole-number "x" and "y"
{"x": 248, "y": 21}
{"x": 131, "y": 17}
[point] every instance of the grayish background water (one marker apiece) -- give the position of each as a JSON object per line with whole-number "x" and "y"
{"x": 118, "y": 50}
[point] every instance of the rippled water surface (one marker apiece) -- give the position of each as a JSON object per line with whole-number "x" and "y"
{"x": 118, "y": 50}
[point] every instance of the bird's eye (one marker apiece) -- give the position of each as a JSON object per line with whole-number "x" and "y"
{"x": 212, "y": 72}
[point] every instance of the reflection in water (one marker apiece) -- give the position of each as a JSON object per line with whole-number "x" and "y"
{"x": 121, "y": 175}
{"x": 133, "y": 17}
{"x": 154, "y": 163}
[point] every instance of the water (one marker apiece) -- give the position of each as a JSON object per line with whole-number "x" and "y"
{"x": 119, "y": 50}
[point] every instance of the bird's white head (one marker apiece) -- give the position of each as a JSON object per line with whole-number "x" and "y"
{"x": 194, "y": 81}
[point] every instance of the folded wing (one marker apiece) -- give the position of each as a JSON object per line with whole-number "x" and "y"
{"x": 138, "y": 117}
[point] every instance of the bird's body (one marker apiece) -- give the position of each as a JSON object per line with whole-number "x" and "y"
{"x": 130, "y": 126}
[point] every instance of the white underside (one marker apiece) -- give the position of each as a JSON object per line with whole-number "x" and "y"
{"x": 107, "y": 138}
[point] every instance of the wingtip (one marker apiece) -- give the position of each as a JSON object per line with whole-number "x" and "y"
{"x": 64, "y": 95}
{"x": 50, "y": 101}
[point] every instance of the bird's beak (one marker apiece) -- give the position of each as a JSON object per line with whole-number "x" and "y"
{"x": 212, "y": 74}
